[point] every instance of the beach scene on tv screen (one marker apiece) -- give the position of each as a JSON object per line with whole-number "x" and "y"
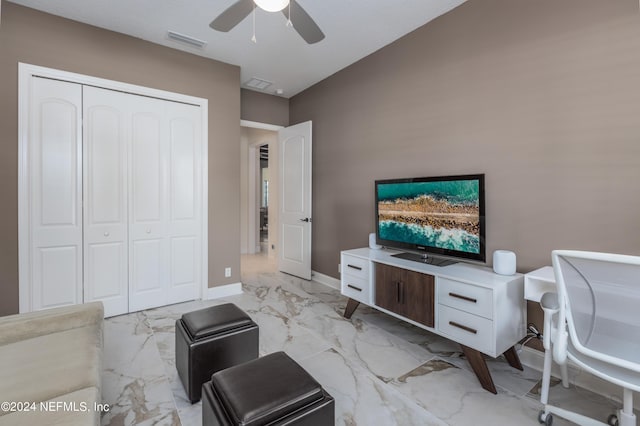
{"x": 442, "y": 214}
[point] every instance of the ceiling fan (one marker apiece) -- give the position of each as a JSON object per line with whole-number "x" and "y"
{"x": 296, "y": 15}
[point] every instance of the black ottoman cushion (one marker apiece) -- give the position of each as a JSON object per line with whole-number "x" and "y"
{"x": 273, "y": 390}
{"x": 215, "y": 320}
{"x": 265, "y": 389}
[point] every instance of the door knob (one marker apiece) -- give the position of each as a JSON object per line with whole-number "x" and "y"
{"x": 106, "y": 234}
{"x": 148, "y": 230}
{"x": 306, "y": 219}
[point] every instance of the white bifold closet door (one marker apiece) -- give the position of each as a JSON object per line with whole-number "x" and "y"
{"x": 142, "y": 180}
{"x": 115, "y": 206}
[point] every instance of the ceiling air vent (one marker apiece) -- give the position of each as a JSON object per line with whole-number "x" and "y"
{"x": 182, "y": 38}
{"x": 257, "y": 83}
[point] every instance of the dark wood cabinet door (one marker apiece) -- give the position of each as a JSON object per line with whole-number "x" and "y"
{"x": 388, "y": 287}
{"x": 417, "y": 294}
{"x": 407, "y": 293}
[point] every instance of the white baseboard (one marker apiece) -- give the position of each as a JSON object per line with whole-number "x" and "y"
{"x": 535, "y": 359}
{"x": 224, "y": 291}
{"x": 326, "y": 280}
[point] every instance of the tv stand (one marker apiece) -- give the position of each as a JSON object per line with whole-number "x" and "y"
{"x": 482, "y": 311}
{"x": 425, "y": 258}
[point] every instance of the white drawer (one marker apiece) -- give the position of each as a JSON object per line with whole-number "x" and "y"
{"x": 466, "y": 297}
{"x": 466, "y": 329}
{"x": 355, "y": 266}
{"x": 356, "y": 288}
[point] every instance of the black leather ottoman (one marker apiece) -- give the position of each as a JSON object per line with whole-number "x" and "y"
{"x": 271, "y": 390}
{"x": 210, "y": 340}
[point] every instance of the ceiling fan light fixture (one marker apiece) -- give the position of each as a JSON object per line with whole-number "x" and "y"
{"x": 271, "y": 5}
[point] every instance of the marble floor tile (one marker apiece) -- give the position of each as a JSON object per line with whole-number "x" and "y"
{"x": 361, "y": 398}
{"x": 134, "y": 381}
{"x": 382, "y": 353}
{"x": 284, "y": 294}
{"x": 433, "y": 343}
{"x": 455, "y": 396}
{"x": 280, "y": 333}
{"x": 380, "y": 370}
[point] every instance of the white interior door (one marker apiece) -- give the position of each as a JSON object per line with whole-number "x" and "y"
{"x": 54, "y": 157}
{"x": 105, "y": 200}
{"x": 295, "y": 200}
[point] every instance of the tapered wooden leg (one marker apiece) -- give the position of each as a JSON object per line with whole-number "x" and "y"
{"x": 512, "y": 358}
{"x": 479, "y": 366}
{"x": 351, "y": 307}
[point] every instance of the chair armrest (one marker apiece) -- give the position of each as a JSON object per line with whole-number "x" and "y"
{"x": 549, "y": 300}
{"x": 14, "y": 328}
{"x": 550, "y": 306}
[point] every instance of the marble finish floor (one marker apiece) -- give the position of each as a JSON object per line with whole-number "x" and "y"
{"x": 381, "y": 371}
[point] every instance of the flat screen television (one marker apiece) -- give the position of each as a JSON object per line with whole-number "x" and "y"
{"x": 432, "y": 216}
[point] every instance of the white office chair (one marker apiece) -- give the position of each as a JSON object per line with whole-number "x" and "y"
{"x": 593, "y": 321}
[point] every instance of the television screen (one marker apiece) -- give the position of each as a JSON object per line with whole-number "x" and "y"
{"x": 441, "y": 215}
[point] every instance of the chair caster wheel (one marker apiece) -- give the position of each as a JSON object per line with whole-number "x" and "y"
{"x": 612, "y": 420}
{"x": 546, "y": 420}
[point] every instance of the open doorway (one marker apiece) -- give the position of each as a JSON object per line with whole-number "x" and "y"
{"x": 259, "y": 188}
{"x": 287, "y": 200}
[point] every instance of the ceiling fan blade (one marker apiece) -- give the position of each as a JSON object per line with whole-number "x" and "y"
{"x": 232, "y": 16}
{"x": 303, "y": 23}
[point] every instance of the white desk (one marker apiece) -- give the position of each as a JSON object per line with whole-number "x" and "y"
{"x": 538, "y": 282}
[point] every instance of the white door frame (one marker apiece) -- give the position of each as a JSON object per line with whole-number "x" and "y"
{"x": 253, "y": 190}
{"x": 25, "y": 73}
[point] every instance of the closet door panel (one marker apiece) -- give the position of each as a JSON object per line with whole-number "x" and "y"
{"x": 58, "y": 163}
{"x": 184, "y": 221}
{"x": 105, "y": 194}
{"x": 55, "y": 193}
{"x": 105, "y": 166}
{"x": 147, "y": 268}
{"x": 149, "y": 259}
{"x": 104, "y": 271}
{"x": 183, "y": 262}
{"x": 147, "y": 167}
{"x": 183, "y": 170}
{"x": 57, "y": 278}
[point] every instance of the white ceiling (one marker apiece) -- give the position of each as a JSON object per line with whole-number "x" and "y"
{"x": 353, "y": 30}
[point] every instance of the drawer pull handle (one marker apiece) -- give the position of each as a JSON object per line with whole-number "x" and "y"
{"x": 354, "y": 287}
{"x": 357, "y": 268}
{"x": 463, "y": 327}
{"x": 459, "y": 296}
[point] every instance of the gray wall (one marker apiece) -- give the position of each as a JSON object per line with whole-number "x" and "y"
{"x": 540, "y": 96}
{"x": 41, "y": 39}
{"x": 264, "y": 108}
